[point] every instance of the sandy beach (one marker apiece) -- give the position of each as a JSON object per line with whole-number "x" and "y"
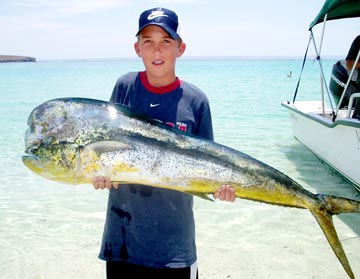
{"x": 61, "y": 238}
{"x": 262, "y": 241}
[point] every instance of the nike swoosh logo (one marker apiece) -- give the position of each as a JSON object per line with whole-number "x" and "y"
{"x": 154, "y": 105}
{"x": 156, "y": 14}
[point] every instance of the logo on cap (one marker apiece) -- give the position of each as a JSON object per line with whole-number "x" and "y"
{"x": 164, "y": 18}
{"x": 155, "y": 14}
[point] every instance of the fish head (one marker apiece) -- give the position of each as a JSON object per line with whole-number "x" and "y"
{"x": 52, "y": 142}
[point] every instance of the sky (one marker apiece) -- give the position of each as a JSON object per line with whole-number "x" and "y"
{"x": 87, "y": 29}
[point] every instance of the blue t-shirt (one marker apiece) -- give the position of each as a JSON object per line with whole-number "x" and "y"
{"x": 146, "y": 225}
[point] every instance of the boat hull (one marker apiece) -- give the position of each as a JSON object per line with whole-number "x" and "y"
{"x": 337, "y": 143}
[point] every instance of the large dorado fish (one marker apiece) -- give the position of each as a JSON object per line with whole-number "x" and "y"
{"x": 73, "y": 140}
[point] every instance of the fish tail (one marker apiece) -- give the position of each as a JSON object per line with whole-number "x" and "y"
{"x": 330, "y": 206}
{"x": 337, "y": 205}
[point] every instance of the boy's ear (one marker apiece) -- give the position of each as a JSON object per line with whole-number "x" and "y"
{"x": 182, "y": 49}
{"x": 137, "y": 49}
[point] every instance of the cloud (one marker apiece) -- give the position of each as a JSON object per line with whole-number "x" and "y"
{"x": 181, "y": 1}
{"x": 25, "y": 23}
{"x": 71, "y": 6}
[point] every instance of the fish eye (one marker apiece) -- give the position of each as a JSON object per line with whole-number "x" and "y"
{"x": 40, "y": 138}
{"x": 43, "y": 141}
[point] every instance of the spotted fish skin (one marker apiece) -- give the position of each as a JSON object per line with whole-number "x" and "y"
{"x": 74, "y": 140}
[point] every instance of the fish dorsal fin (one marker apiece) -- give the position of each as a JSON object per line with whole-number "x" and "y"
{"x": 105, "y": 146}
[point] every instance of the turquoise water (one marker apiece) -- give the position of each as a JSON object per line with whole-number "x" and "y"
{"x": 245, "y": 97}
{"x": 39, "y": 217}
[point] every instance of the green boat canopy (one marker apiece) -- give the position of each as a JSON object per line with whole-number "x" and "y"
{"x": 337, "y": 9}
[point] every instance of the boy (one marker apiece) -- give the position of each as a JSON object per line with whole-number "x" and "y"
{"x": 151, "y": 231}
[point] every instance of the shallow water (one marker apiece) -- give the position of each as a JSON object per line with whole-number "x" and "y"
{"x": 51, "y": 230}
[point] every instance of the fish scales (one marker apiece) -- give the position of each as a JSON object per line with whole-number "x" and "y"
{"x": 73, "y": 140}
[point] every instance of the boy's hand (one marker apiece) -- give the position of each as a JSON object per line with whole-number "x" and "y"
{"x": 101, "y": 182}
{"x": 225, "y": 193}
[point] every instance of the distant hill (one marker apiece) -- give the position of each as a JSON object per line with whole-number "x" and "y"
{"x": 16, "y": 58}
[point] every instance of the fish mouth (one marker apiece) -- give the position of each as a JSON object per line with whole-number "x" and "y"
{"x": 31, "y": 157}
{"x": 32, "y": 162}
{"x": 49, "y": 169}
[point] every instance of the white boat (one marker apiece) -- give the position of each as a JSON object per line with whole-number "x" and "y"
{"x": 324, "y": 125}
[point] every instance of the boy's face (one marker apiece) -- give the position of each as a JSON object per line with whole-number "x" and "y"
{"x": 158, "y": 52}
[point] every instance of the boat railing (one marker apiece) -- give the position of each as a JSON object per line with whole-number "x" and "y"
{"x": 323, "y": 83}
{"x": 351, "y": 101}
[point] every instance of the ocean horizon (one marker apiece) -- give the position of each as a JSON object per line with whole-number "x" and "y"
{"x": 189, "y": 57}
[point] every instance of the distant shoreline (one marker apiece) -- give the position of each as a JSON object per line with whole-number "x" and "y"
{"x": 16, "y": 58}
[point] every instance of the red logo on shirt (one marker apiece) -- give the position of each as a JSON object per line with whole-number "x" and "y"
{"x": 181, "y": 126}
{"x": 170, "y": 124}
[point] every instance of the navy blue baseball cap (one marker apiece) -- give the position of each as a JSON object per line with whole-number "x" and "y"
{"x": 164, "y": 18}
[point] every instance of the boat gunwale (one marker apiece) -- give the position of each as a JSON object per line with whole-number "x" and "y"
{"x": 323, "y": 121}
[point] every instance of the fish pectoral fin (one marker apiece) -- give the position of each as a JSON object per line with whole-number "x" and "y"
{"x": 201, "y": 196}
{"x": 101, "y": 147}
{"x": 325, "y": 221}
